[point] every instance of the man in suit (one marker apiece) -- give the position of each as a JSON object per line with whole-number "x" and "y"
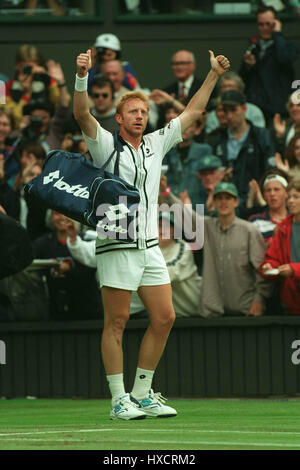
{"x": 186, "y": 84}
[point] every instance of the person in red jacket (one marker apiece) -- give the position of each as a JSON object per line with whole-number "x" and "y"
{"x": 283, "y": 256}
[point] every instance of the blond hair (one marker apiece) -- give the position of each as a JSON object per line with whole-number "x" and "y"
{"x": 29, "y": 53}
{"x": 293, "y": 99}
{"x": 294, "y": 184}
{"x": 132, "y": 95}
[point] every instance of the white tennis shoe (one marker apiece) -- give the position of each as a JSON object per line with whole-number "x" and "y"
{"x": 153, "y": 405}
{"x": 125, "y": 409}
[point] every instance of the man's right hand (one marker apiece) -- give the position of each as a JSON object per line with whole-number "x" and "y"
{"x": 249, "y": 59}
{"x": 84, "y": 63}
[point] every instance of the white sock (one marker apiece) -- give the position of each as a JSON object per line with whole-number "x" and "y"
{"x": 116, "y": 385}
{"x": 142, "y": 383}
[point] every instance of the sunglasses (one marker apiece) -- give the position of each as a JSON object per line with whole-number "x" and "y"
{"x": 97, "y": 95}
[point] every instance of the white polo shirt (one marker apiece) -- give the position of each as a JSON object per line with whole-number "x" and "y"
{"x": 141, "y": 168}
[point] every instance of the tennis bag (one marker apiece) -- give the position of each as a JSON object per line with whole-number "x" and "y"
{"x": 72, "y": 185}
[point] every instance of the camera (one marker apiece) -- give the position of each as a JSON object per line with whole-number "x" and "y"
{"x": 31, "y": 132}
{"x": 27, "y": 69}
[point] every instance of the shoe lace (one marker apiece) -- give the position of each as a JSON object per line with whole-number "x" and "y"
{"x": 159, "y": 397}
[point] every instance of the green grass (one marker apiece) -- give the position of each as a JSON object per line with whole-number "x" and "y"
{"x": 200, "y": 424}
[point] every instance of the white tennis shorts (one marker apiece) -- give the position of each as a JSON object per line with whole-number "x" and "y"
{"x": 131, "y": 268}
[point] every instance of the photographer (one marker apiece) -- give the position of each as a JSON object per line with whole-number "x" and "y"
{"x": 73, "y": 140}
{"x": 42, "y": 122}
{"x": 32, "y": 81}
{"x": 267, "y": 68}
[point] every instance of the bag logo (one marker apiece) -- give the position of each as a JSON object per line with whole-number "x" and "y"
{"x": 117, "y": 212}
{"x": 77, "y": 190}
{"x": 52, "y": 176}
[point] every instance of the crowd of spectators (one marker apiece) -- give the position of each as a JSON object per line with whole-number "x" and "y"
{"x": 236, "y": 174}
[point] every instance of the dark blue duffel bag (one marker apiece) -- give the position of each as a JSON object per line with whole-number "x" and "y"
{"x": 72, "y": 185}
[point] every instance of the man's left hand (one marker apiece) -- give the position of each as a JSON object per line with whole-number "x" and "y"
{"x": 277, "y": 26}
{"x": 219, "y": 64}
{"x": 256, "y": 309}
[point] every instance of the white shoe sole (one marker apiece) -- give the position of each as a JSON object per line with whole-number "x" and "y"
{"x": 119, "y": 418}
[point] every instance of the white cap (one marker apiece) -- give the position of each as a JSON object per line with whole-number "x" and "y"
{"x": 108, "y": 41}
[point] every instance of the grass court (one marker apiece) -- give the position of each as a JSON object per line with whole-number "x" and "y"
{"x": 65, "y": 424}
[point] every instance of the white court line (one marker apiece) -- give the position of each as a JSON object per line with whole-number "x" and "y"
{"x": 173, "y": 443}
{"x": 70, "y": 431}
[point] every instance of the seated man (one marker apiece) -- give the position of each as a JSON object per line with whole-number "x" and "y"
{"x": 186, "y": 83}
{"x": 233, "y": 251}
{"x": 242, "y": 146}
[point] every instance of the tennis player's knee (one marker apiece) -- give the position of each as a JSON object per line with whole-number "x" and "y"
{"x": 165, "y": 319}
{"x": 118, "y": 322}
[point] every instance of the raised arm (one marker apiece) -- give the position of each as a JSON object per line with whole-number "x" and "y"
{"x": 197, "y": 104}
{"x": 81, "y": 108}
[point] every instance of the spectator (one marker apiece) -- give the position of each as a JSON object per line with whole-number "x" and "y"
{"x": 8, "y": 164}
{"x": 210, "y": 173}
{"x": 272, "y": 198}
{"x": 291, "y": 162}
{"x": 242, "y": 146}
{"x": 113, "y": 70}
{"x": 73, "y": 290}
{"x": 185, "y": 281}
{"x": 104, "y": 110}
{"x": 233, "y": 251}
{"x": 186, "y": 84}
{"x": 286, "y": 130}
{"x": 282, "y": 260}
{"x": 269, "y": 198}
{"x": 212, "y": 137}
{"x": 32, "y": 81}
{"x": 232, "y": 81}
{"x": 44, "y": 122}
{"x": 166, "y": 103}
{"x": 267, "y": 67}
{"x": 183, "y": 161}
{"x": 73, "y": 140}
{"x": 108, "y": 47}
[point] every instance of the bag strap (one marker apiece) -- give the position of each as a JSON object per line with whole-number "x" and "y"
{"x": 117, "y": 148}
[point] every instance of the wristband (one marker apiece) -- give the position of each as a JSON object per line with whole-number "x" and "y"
{"x": 61, "y": 85}
{"x": 166, "y": 192}
{"x": 81, "y": 83}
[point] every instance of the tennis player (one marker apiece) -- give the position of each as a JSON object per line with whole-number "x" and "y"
{"x": 137, "y": 265}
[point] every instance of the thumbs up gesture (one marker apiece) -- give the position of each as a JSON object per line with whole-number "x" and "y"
{"x": 219, "y": 64}
{"x": 84, "y": 63}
